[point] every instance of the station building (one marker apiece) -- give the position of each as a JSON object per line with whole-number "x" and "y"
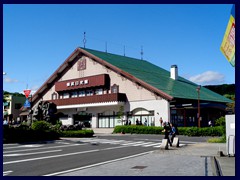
{"x": 104, "y": 90}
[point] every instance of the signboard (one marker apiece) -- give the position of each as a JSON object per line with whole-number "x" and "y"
{"x": 27, "y": 92}
{"x": 27, "y": 104}
{"x": 228, "y": 43}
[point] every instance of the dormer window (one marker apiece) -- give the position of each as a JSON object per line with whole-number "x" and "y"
{"x": 115, "y": 89}
{"x": 54, "y": 96}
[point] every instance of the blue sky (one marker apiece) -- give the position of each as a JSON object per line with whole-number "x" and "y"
{"x": 38, "y": 38}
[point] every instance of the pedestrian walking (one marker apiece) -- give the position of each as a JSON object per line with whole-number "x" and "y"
{"x": 145, "y": 122}
{"x": 129, "y": 122}
{"x": 166, "y": 130}
{"x": 173, "y": 132}
{"x": 137, "y": 122}
{"x": 210, "y": 123}
{"x": 161, "y": 121}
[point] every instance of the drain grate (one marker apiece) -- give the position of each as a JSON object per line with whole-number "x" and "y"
{"x": 138, "y": 167}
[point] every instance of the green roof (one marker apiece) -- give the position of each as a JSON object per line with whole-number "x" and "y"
{"x": 159, "y": 77}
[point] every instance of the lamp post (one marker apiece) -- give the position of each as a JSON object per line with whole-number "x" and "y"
{"x": 198, "y": 91}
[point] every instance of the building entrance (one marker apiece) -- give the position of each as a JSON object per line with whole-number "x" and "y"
{"x": 84, "y": 118}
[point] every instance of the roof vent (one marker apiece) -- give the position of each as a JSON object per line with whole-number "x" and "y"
{"x": 174, "y": 72}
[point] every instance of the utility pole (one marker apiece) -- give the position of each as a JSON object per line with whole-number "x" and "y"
{"x": 198, "y": 91}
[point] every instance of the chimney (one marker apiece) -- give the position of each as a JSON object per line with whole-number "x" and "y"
{"x": 174, "y": 72}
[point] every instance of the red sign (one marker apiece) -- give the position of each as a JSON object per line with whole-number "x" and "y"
{"x": 27, "y": 92}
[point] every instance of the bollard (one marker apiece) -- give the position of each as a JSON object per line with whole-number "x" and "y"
{"x": 164, "y": 144}
{"x": 175, "y": 142}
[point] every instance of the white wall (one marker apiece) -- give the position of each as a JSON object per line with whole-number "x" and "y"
{"x": 160, "y": 107}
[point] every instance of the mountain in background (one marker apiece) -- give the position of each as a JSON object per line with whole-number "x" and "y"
{"x": 222, "y": 89}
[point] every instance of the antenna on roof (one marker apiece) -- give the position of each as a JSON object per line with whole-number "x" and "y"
{"x": 124, "y": 50}
{"x": 141, "y": 53}
{"x": 106, "y": 47}
{"x": 84, "y": 39}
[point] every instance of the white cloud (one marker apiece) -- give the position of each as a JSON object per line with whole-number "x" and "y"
{"x": 33, "y": 89}
{"x": 208, "y": 78}
{"x": 9, "y": 80}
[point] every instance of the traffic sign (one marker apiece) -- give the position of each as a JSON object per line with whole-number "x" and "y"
{"x": 27, "y": 104}
{"x": 27, "y": 92}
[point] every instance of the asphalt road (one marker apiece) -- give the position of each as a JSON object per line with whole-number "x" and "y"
{"x": 57, "y": 157}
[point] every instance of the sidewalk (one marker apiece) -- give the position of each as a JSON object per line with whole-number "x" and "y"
{"x": 190, "y": 160}
{"x": 102, "y": 131}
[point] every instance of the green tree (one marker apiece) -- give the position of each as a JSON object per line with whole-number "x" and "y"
{"x": 120, "y": 113}
{"x": 220, "y": 122}
{"x": 230, "y": 106}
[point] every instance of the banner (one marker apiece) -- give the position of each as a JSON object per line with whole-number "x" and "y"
{"x": 228, "y": 43}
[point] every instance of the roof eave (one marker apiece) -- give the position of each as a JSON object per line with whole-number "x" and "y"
{"x": 127, "y": 75}
{"x": 53, "y": 77}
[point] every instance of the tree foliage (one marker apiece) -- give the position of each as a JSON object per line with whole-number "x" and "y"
{"x": 222, "y": 89}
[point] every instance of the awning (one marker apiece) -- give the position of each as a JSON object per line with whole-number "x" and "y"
{"x": 24, "y": 113}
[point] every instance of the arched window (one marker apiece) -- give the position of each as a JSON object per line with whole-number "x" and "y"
{"x": 114, "y": 88}
{"x": 54, "y": 96}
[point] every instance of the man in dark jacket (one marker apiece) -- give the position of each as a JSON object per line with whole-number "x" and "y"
{"x": 166, "y": 130}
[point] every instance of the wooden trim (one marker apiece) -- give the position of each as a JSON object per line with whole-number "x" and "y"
{"x": 120, "y": 97}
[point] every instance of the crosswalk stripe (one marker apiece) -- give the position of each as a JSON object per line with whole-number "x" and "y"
{"x": 142, "y": 144}
{"x": 124, "y": 142}
{"x": 152, "y": 144}
{"x": 132, "y": 143}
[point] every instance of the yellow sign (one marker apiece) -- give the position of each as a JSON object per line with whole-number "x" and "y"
{"x": 228, "y": 43}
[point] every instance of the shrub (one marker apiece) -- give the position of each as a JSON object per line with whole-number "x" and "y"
{"x": 134, "y": 129}
{"x": 217, "y": 140}
{"x": 41, "y": 126}
{"x": 18, "y": 135}
{"x": 188, "y": 131}
{"x": 78, "y": 133}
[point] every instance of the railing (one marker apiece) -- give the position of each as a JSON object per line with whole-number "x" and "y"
{"x": 91, "y": 99}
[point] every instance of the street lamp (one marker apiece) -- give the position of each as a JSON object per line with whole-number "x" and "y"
{"x": 198, "y": 91}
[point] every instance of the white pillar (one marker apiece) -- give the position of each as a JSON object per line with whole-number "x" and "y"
{"x": 94, "y": 122}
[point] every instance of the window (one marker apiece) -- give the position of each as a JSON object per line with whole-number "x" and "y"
{"x": 82, "y": 93}
{"x": 99, "y": 91}
{"x": 89, "y": 93}
{"x": 54, "y": 96}
{"x": 18, "y": 105}
{"x": 115, "y": 89}
{"x": 74, "y": 94}
{"x": 65, "y": 95}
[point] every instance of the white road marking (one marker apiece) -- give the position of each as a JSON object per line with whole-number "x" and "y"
{"x": 132, "y": 143}
{"x": 152, "y": 144}
{"x": 155, "y": 144}
{"x": 22, "y": 150}
{"x": 142, "y": 144}
{"x": 97, "y": 164}
{"x": 11, "y": 155}
{"x": 5, "y": 173}
{"x": 60, "y": 155}
{"x": 22, "y": 146}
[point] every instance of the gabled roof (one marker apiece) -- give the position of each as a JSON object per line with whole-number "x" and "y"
{"x": 142, "y": 72}
{"x": 159, "y": 78}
